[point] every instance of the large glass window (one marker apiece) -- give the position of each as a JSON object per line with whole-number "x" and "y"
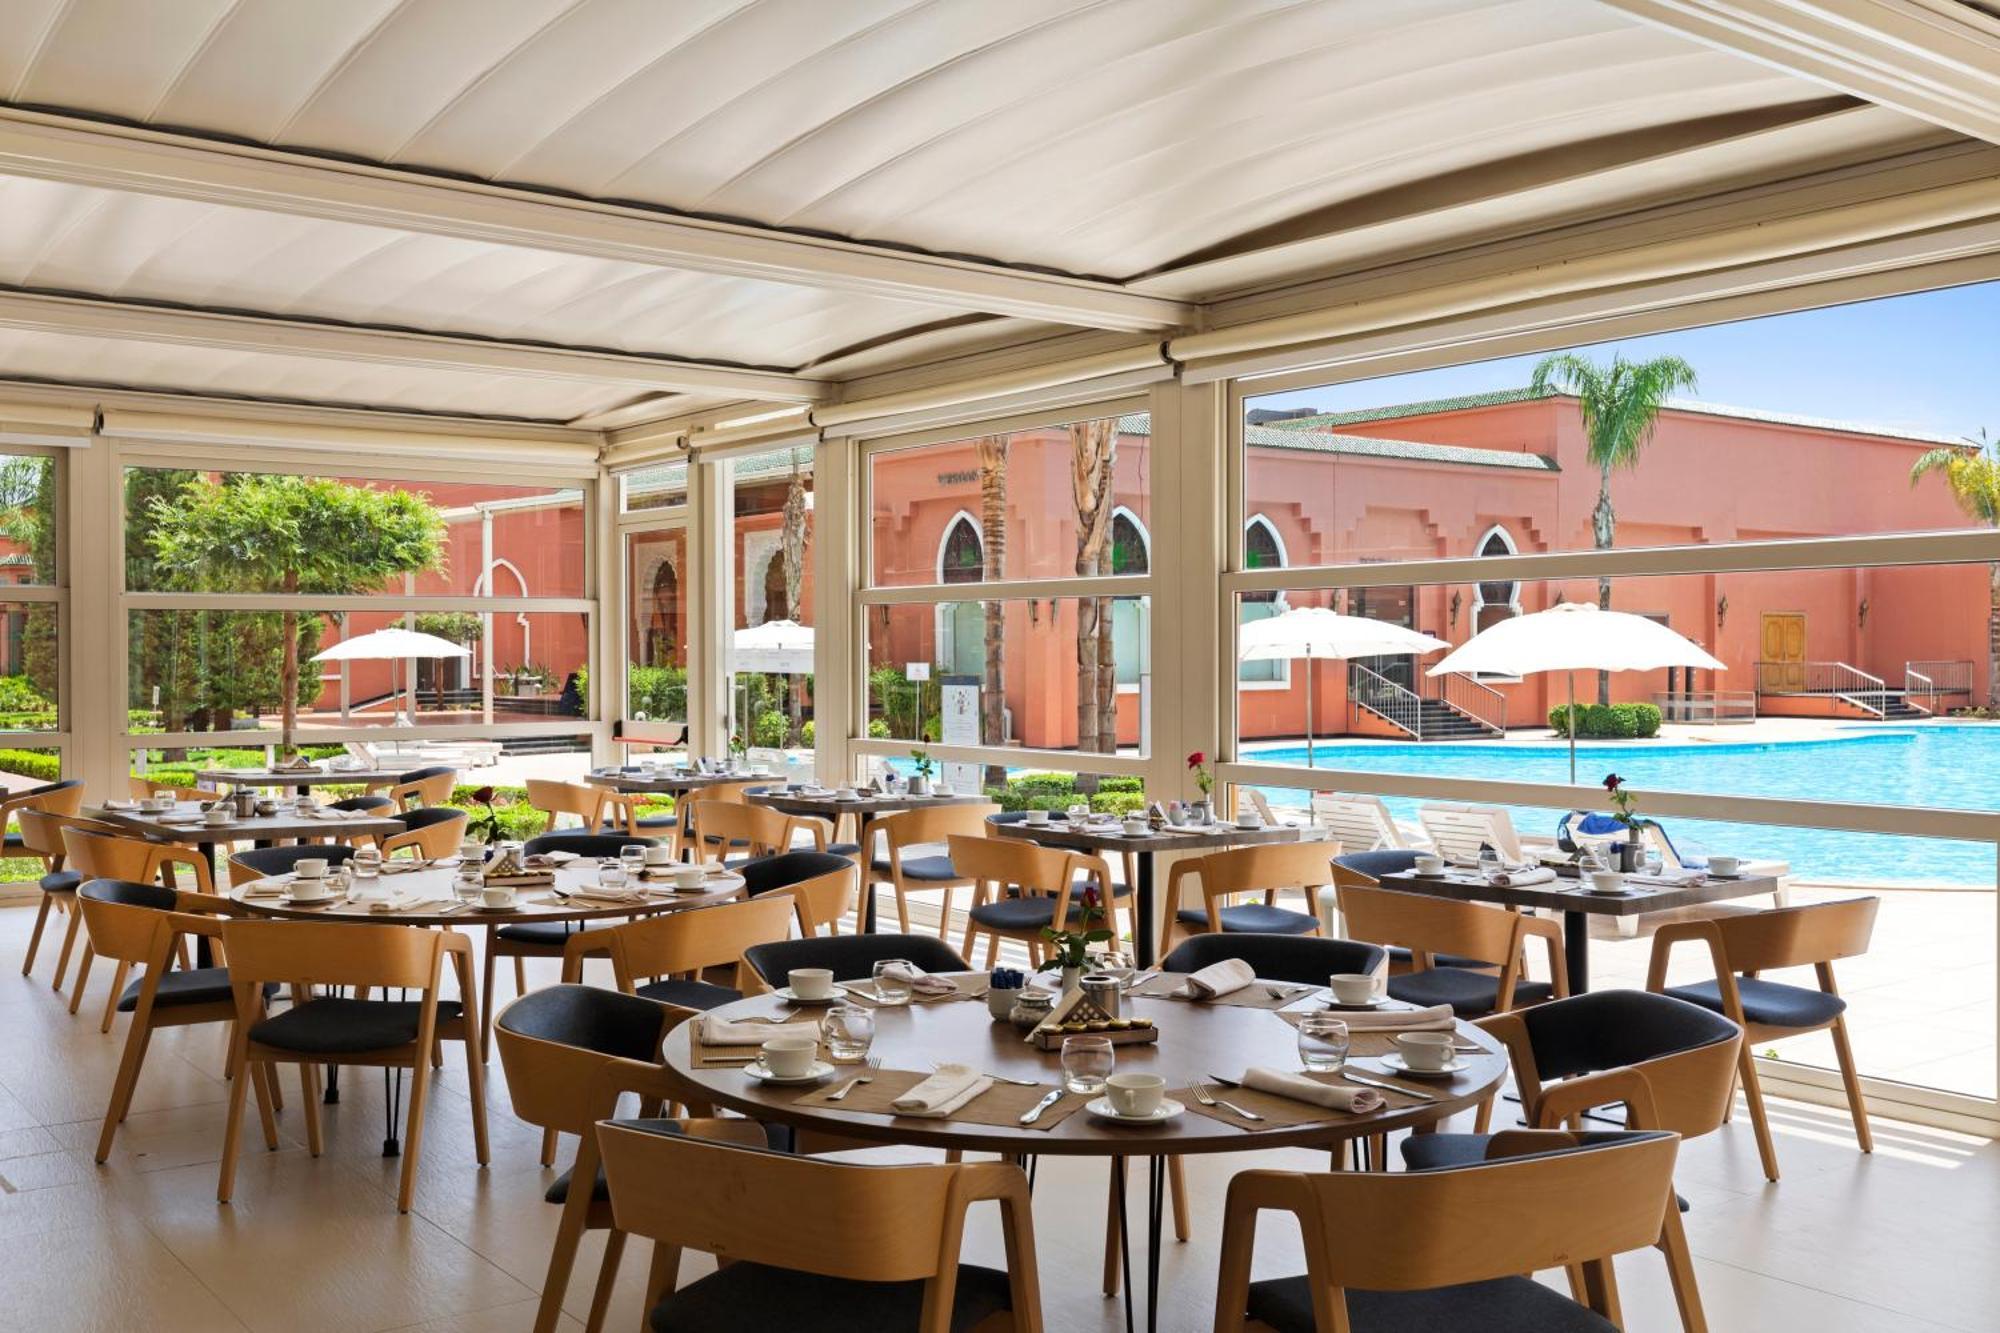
{"x": 31, "y": 666}
{"x": 657, "y": 573}
{"x": 771, "y": 619}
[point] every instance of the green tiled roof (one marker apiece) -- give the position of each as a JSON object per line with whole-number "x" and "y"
{"x": 1364, "y": 446}
{"x": 1501, "y": 397}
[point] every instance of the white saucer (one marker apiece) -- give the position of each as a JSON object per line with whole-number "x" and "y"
{"x": 289, "y": 900}
{"x": 1401, "y": 1066}
{"x": 758, "y": 1074}
{"x": 1341, "y": 1006}
{"x": 1167, "y": 1110}
{"x": 786, "y": 994}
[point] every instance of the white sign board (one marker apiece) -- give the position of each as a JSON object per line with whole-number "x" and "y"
{"x": 960, "y": 726}
{"x": 917, "y": 671}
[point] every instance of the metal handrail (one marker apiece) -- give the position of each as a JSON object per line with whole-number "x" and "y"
{"x": 1477, "y": 700}
{"x": 1709, "y": 707}
{"x": 1916, "y": 683}
{"x": 1944, "y": 676}
{"x": 1399, "y": 706}
{"x": 1842, "y": 679}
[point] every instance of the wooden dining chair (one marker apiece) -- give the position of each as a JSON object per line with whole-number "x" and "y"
{"x": 734, "y": 831}
{"x": 1020, "y": 888}
{"x": 1364, "y": 870}
{"x": 57, "y": 798}
{"x": 1471, "y": 933}
{"x": 1425, "y": 1249}
{"x": 891, "y": 1263}
{"x": 594, "y": 807}
{"x": 41, "y": 837}
{"x": 315, "y": 1030}
{"x": 98, "y": 851}
{"x": 1261, "y": 871}
{"x": 429, "y": 831}
{"x": 824, "y": 887}
{"x": 1743, "y": 946}
{"x": 905, "y": 869}
{"x": 140, "y": 787}
{"x": 569, "y": 1053}
{"x": 254, "y": 863}
{"x": 418, "y": 787}
{"x": 147, "y": 925}
{"x": 664, "y": 957}
{"x": 850, "y": 957}
{"x": 682, "y": 817}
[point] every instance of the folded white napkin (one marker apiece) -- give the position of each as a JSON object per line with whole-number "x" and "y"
{"x": 1520, "y": 877}
{"x": 328, "y": 812}
{"x": 1677, "y": 879}
{"x": 1299, "y": 1088}
{"x": 416, "y": 903}
{"x": 1437, "y": 1018}
{"x": 728, "y": 1032}
{"x": 121, "y": 805}
{"x": 922, "y": 982}
{"x": 943, "y": 1092}
{"x": 613, "y": 897}
{"x": 1231, "y": 974}
{"x": 266, "y": 889}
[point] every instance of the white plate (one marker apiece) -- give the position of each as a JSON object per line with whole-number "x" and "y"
{"x": 1165, "y": 1111}
{"x": 1401, "y": 1066}
{"x": 291, "y": 900}
{"x": 758, "y": 1074}
{"x": 1379, "y": 1002}
{"x": 786, "y": 994}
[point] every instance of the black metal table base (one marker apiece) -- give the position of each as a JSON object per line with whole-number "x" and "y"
{"x": 1576, "y": 950}
{"x": 1142, "y": 898}
{"x": 1156, "y": 1207}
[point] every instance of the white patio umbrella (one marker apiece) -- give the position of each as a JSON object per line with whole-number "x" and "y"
{"x": 1313, "y": 632}
{"x": 779, "y": 647}
{"x": 1573, "y": 637}
{"x": 394, "y": 644}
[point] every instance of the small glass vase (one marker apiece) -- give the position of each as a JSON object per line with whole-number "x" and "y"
{"x": 1072, "y": 977}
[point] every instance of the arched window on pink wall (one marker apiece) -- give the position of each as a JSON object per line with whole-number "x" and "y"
{"x": 1495, "y": 600}
{"x": 1262, "y": 549}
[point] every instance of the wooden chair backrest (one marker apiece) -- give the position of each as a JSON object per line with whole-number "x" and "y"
{"x": 715, "y": 824}
{"x": 42, "y": 833}
{"x": 1283, "y": 865}
{"x": 332, "y": 953}
{"x": 439, "y": 839}
{"x": 1415, "y": 1230}
{"x": 823, "y": 900}
{"x": 1357, "y": 823}
{"x": 433, "y": 790}
{"x": 1013, "y": 862}
{"x": 1796, "y": 936}
{"x": 687, "y": 942}
{"x": 1426, "y": 925}
{"x": 740, "y": 1203}
{"x": 1688, "y": 1091}
{"x": 123, "y": 932}
{"x": 934, "y": 823}
{"x": 1457, "y": 831}
{"x": 553, "y": 1085}
{"x": 554, "y": 798}
{"x": 109, "y": 856}
{"x": 142, "y": 787}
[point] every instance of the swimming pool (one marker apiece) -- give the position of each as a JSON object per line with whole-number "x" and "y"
{"x": 1935, "y": 766}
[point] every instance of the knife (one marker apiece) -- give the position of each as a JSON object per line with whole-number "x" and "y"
{"x": 1034, "y": 1113}
{"x": 1386, "y": 1086}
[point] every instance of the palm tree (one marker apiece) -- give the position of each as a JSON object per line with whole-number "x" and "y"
{"x": 1972, "y": 471}
{"x": 1093, "y": 462}
{"x": 1620, "y": 404}
{"x": 992, "y": 454}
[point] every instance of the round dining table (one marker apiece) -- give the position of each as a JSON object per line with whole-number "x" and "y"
{"x": 867, "y": 807}
{"x": 1214, "y": 1041}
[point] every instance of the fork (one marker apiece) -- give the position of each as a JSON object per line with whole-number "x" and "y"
{"x": 1002, "y": 1078}
{"x": 1201, "y": 1094}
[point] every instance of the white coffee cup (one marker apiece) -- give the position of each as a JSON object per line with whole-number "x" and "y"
{"x": 689, "y": 877}
{"x": 1724, "y": 865}
{"x": 811, "y": 983}
{"x": 309, "y": 867}
{"x": 1136, "y": 827}
{"x": 659, "y": 856}
{"x": 941, "y": 789}
{"x": 1038, "y": 817}
{"x": 217, "y": 816}
{"x": 158, "y": 803}
{"x": 1606, "y": 881}
{"x": 846, "y": 794}
{"x": 310, "y": 890}
{"x": 790, "y": 1057}
{"x": 1430, "y": 865}
{"x": 497, "y": 895}
{"x": 1352, "y": 987}
{"x": 1424, "y": 1050}
{"x": 1135, "y": 1094}
{"x": 1250, "y": 819}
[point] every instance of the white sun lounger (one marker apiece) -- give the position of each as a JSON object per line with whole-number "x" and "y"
{"x": 1362, "y": 823}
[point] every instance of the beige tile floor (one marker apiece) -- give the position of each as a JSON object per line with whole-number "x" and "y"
{"x": 1894, "y": 1243}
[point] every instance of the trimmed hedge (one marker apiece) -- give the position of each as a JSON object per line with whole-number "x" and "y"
{"x": 1617, "y": 722}
{"x": 31, "y": 764}
{"x": 1057, "y": 791}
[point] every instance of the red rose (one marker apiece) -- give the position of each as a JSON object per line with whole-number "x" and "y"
{"x": 1612, "y": 782}
{"x": 1197, "y": 759}
{"x": 484, "y": 795}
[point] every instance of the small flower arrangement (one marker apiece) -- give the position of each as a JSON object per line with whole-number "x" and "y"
{"x": 738, "y": 746}
{"x": 1203, "y": 778}
{"x": 485, "y": 826}
{"x": 1072, "y": 947}
{"x": 1625, "y": 800}
{"x": 923, "y": 763}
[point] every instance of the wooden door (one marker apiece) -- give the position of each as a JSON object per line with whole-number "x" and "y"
{"x": 1782, "y": 663}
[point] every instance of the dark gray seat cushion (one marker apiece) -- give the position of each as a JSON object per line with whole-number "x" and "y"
{"x": 61, "y": 881}
{"x": 200, "y": 985}
{"x": 1252, "y": 919}
{"x": 334, "y": 1026}
{"x": 547, "y": 934}
{"x": 842, "y": 848}
{"x": 1468, "y": 993}
{"x": 920, "y": 867}
{"x": 690, "y": 994}
{"x": 1430, "y": 1152}
{"x": 1770, "y": 1002}
{"x": 1502, "y": 1305}
{"x": 1030, "y": 912}
{"x": 15, "y": 845}
{"x": 757, "y": 1296}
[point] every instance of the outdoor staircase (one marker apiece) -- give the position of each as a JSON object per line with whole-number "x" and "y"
{"x": 1443, "y": 722}
{"x": 1896, "y": 708}
{"x": 1420, "y": 717}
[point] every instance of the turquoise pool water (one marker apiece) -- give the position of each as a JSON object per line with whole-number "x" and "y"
{"x": 1938, "y": 766}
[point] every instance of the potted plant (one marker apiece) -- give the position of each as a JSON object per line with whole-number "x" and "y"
{"x": 1072, "y": 946}
{"x": 1631, "y": 852}
{"x": 1204, "y": 809}
{"x": 920, "y": 781}
{"x": 484, "y": 825}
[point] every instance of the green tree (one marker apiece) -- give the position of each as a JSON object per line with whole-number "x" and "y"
{"x": 1620, "y": 404}
{"x": 1972, "y": 473}
{"x": 27, "y": 518}
{"x": 276, "y": 533}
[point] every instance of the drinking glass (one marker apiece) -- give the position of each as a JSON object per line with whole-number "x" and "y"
{"x": 633, "y": 858}
{"x": 366, "y": 862}
{"x": 1323, "y": 1042}
{"x": 467, "y": 885}
{"x": 1086, "y": 1063}
{"x": 892, "y": 980}
{"x": 610, "y": 874}
{"x": 850, "y": 1031}
{"x": 1079, "y": 813}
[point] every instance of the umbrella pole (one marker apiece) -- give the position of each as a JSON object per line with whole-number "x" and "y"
{"x": 1570, "y": 713}
{"x": 1311, "y": 762}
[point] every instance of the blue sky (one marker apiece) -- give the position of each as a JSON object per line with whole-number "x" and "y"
{"x": 1928, "y": 362}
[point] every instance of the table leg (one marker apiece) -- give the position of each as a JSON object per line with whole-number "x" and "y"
{"x": 862, "y": 834}
{"x": 1576, "y": 950}
{"x": 204, "y": 954}
{"x": 1156, "y": 1207}
{"x": 1142, "y": 898}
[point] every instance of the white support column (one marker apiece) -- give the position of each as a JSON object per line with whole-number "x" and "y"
{"x": 837, "y": 520}
{"x": 94, "y": 637}
{"x": 1189, "y": 499}
{"x": 711, "y": 552}
{"x": 607, "y": 644}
